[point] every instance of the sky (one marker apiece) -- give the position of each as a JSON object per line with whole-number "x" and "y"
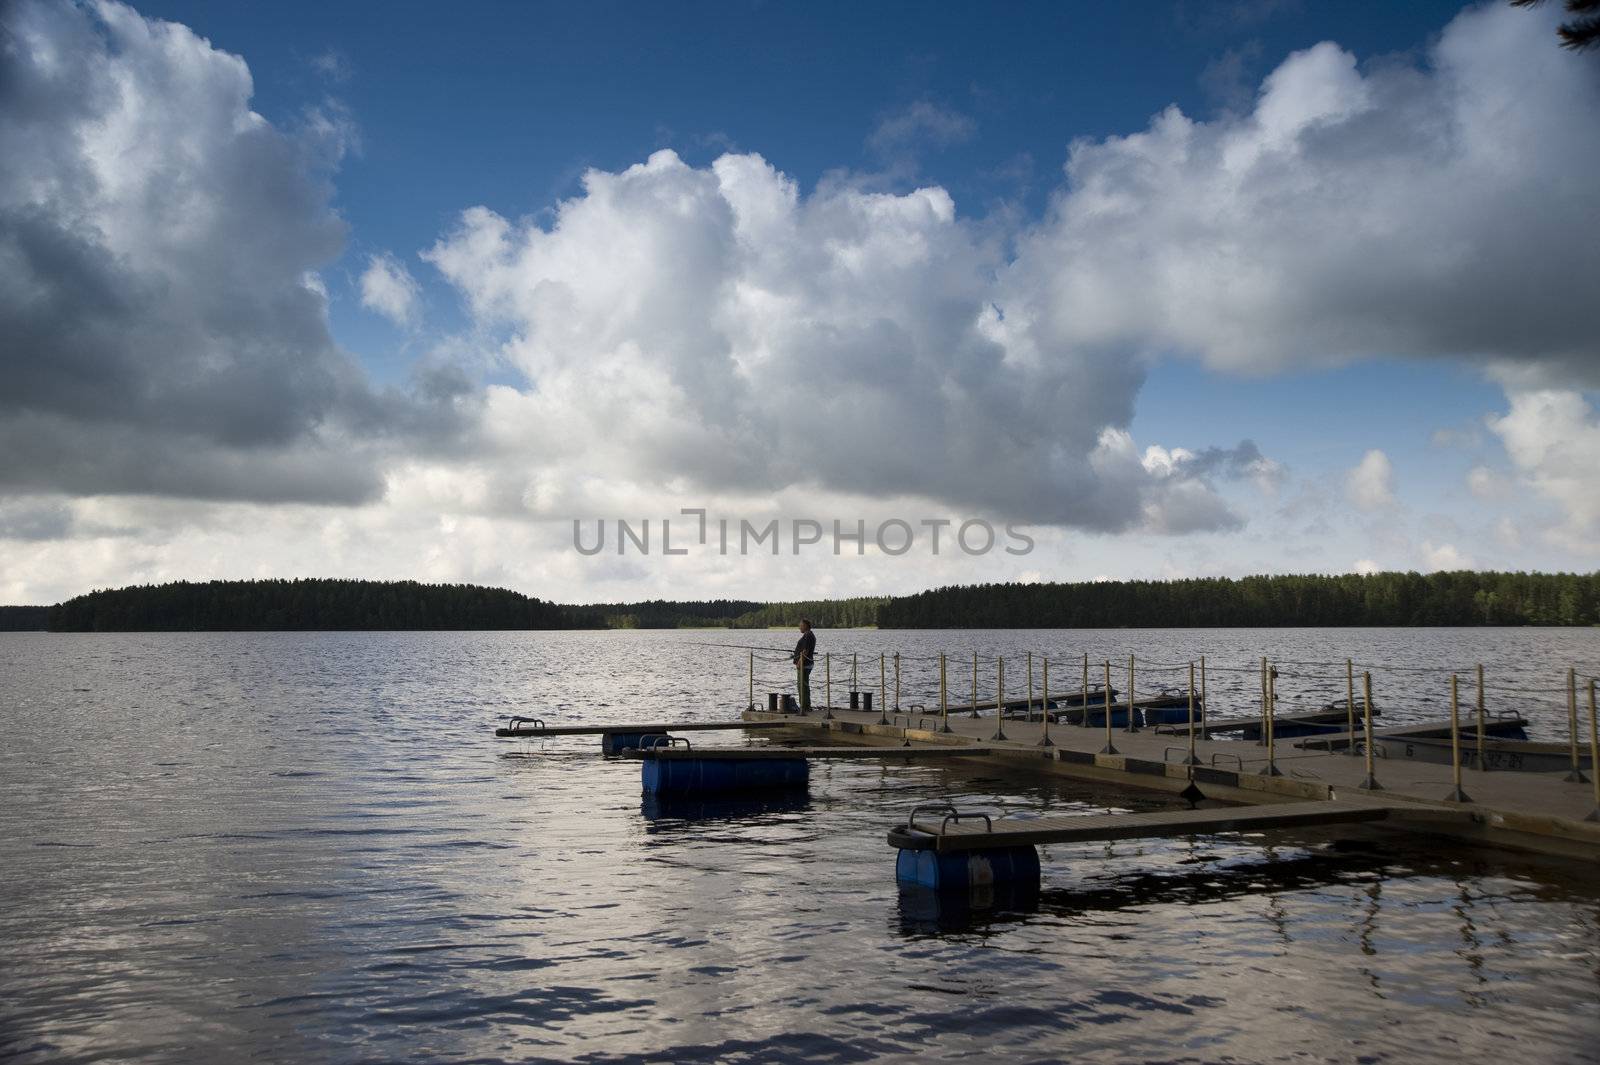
{"x": 950, "y": 293}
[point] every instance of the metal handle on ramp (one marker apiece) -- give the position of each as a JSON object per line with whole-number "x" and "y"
{"x": 928, "y": 808}
{"x": 956, "y": 816}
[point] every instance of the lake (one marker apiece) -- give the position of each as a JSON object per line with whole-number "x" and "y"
{"x": 310, "y": 847}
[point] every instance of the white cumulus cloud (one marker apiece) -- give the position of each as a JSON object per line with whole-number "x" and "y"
{"x": 1370, "y": 485}
{"x": 1437, "y": 557}
{"x": 388, "y": 288}
{"x": 713, "y": 329}
{"x": 1553, "y": 438}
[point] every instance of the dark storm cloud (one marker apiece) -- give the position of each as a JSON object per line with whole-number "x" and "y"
{"x": 162, "y": 327}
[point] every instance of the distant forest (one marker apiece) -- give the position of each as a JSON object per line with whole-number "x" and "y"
{"x": 1380, "y": 599}
{"x": 22, "y": 618}
{"x": 250, "y": 606}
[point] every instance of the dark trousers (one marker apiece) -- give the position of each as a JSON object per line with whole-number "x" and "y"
{"x": 802, "y": 683}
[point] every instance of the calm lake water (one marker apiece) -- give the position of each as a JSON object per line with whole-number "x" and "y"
{"x": 309, "y": 847}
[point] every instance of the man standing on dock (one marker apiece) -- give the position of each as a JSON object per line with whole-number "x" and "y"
{"x": 804, "y": 657}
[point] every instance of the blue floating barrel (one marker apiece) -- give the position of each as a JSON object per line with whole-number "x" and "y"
{"x": 709, "y": 775}
{"x": 1096, "y": 718}
{"x": 966, "y": 870}
{"x": 614, "y": 742}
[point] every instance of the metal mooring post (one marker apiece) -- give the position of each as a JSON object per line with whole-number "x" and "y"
{"x": 1594, "y": 754}
{"x": 974, "y": 684}
{"x": 897, "y": 682}
{"x": 1371, "y": 783}
{"x": 1456, "y": 794}
{"x": 944, "y": 698}
{"x": 1272, "y": 769}
{"x": 1483, "y": 763}
{"x": 1109, "y": 748}
{"x": 1263, "y": 738}
{"x": 827, "y": 680}
{"x": 1133, "y": 725}
{"x": 999, "y": 699}
{"x": 1044, "y": 738}
{"x": 883, "y": 692}
{"x": 1576, "y": 776}
{"x": 1030, "y": 686}
{"x": 1085, "y": 718}
{"x": 1205, "y": 713}
{"x": 1350, "y": 704}
{"x": 752, "y": 705}
{"x": 1192, "y": 760}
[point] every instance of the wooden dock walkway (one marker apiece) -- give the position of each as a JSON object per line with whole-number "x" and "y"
{"x": 1540, "y": 811}
{"x": 979, "y": 833}
{"x": 616, "y": 729}
{"x": 1335, "y": 741}
{"x": 1246, "y": 724}
{"x": 858, "y": 752}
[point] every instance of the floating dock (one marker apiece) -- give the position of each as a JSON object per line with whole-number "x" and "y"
{"x": 684, "y": 771}
{"x": 959, "y": 832}
{"x": 1532, "y": 811}
{"x": 953, "y": 850}
{"x": 1283, "y": 725}
{"x": 1498, "y": 727}
{"x": 857, "y": 752}
{"x": 542, "y": 729}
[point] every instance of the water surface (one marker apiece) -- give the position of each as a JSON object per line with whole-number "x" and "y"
{"x": 307, "y": 846}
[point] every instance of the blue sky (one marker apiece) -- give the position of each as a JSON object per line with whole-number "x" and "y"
{"x": 1186, "y": 288}
{"x": 507, "y": 104}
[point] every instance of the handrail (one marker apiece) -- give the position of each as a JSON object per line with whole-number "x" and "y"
{"x": 988, "y": 825}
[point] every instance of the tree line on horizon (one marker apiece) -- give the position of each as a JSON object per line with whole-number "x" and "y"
{"x": 336, "y": 604}
{"x": 1462, "y": 597}
{"x": 1380, "y": 599}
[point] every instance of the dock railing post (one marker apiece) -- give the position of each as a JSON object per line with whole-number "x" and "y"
{"x": 827, "y": 680}
{"x": 1456, "y": 794}
{"x": 1576, "y": 776}
{"x": 1192, "y": 760}
{"x": 944, "y": 698}
{"x": 897, "y": 682}
{"x": 1594, "y": 754}
{"x": 1205, "y": 714}
{"x": 883, "y": 692}
{"x": 1133, "y": 725}
{"x": 1263, "y": 738}
{"x": 1371, "y": 783}
{"x": 974, "y": 684}
{"x": 1483, "y": 763}
{"x": 1350, "y": 703}
{"x": 1085, "y": 719}
{"x": 752, "y": 705}
{"x": 855, "y": 685}
{"x": 1044, "y": 716}
{"x": 999, "y": 698}
{"x": 1030, "y": 687}
{"x": 1272, "y": 769}
{"x": 1110, "y": 748}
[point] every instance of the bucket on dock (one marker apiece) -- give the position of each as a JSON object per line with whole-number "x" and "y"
{"x": 772, "y": 702}
{"x": 790, "y": 706}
